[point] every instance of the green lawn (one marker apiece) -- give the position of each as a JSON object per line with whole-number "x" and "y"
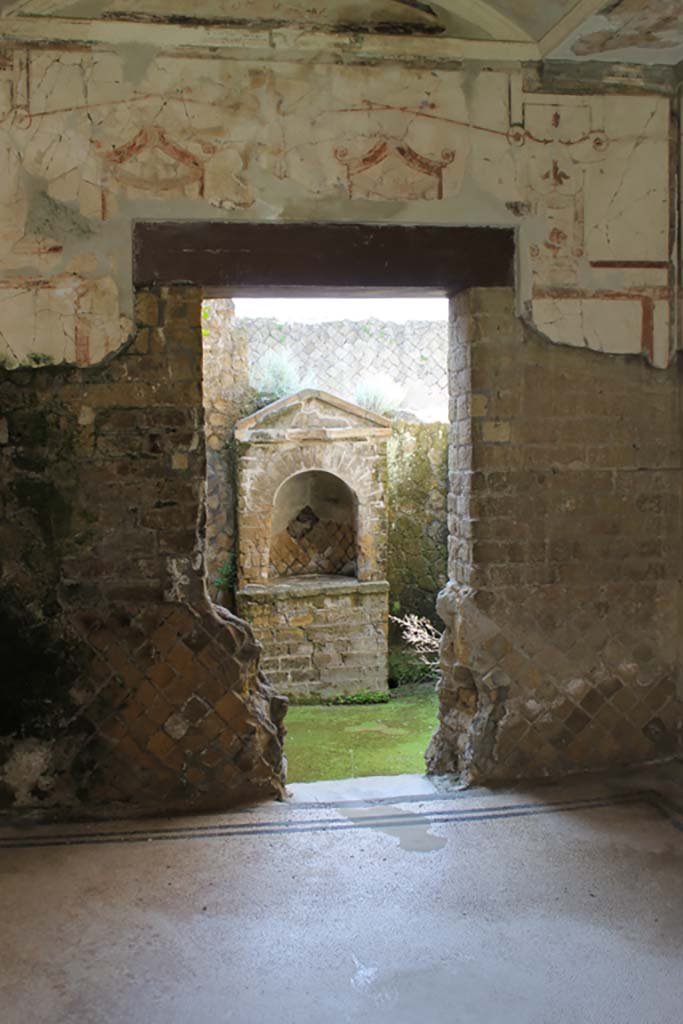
{"x": 347, "y": 741}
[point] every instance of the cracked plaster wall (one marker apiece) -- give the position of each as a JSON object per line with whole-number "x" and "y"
{"x": 92, "y": 139}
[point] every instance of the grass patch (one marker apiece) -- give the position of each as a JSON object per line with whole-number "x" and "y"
{"x": 349, "y": 741}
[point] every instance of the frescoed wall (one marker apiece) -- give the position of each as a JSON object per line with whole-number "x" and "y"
{"x": 92, "y": 140}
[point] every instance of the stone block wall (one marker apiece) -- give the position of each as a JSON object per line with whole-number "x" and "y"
{"x": 561, "y": 647}
{"x": 321, "y": 637}
{"x": 226, "y": 394}
{"x": 340, "y": 355}
{"x": 123, "y": 687}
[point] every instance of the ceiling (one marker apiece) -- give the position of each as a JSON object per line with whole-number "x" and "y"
{"x": 624, "y": 31}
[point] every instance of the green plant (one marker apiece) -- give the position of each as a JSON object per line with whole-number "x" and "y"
{"x": 39, "y": 359}
{"x": 362, "y": 697}
{"x": 406, "y": 668}
{"x": 278, "y": 375}
{"x": 379, "y": 393}
{"x": 225, "y": 577}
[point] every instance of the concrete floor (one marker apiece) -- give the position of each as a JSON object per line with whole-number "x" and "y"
{"x": 372, "y": 901}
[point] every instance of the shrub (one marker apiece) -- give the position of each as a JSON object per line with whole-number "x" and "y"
{"x": 278, "y": 375}
{"x": 420, "y": 634}
{"x": 407, "y": 668}
{"x": 362, "y": 697}
{"x": 379, "y": 393}
{"x": 225, "y": 577}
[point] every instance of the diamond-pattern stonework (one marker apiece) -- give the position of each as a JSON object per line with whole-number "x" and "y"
{"x": 328, "y": 548}
{"x": 336, "y": 356}
{"x": 561, "y": 645}
{"x": 142, "y": 695}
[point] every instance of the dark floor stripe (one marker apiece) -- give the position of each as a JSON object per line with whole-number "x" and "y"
{"x": 254, "y": 827}
{"x": 648, "y": 799}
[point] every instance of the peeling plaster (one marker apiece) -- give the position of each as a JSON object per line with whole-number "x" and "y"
{"x": 92, "y": 149}
{"x": 27, "y": 768}
{"x": 641, "y": 31}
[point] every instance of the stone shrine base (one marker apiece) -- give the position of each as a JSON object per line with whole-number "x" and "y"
{"x": 322, "y": 636}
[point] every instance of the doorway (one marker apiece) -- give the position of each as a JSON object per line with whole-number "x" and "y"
{"x": 259, "y": 261}
{"x": 357, "y": 657}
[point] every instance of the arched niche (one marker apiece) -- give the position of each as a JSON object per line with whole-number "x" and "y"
{"x": 314, "y": 527}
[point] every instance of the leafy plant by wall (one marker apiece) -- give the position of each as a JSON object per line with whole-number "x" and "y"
{"x": 418, "y": 530}
{"x": 279, "y": 375}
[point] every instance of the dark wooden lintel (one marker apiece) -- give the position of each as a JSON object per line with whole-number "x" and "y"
{"x": 255, "y": 259}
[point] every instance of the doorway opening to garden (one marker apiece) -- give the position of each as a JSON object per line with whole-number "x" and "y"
{"x": 274, "y": 419}
{"x": 327, "y": 483}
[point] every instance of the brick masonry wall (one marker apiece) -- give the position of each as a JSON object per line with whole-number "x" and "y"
{"x": 561, "y": 650}
{"x": 124, "y": 688}
{"x": 226, "y": 399}
{"x": 321, "y": 638}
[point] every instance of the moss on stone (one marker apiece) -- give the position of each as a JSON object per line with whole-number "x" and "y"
{"x": 340, "y": 742}
{"x": 418, "y": 532}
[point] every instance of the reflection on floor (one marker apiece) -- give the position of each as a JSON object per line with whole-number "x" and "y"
{"x": 399, "y": 900}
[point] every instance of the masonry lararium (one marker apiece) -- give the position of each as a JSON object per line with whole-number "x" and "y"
{"x": 312, "y": 542}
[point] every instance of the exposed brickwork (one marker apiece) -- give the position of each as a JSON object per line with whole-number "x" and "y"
{"x": 321, "y": 637}
{"x": 561, "y": 646}
{"x": 162, "y": 704}
{"x": 226, "y": 399}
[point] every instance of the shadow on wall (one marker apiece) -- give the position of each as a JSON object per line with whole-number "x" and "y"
{"x": 314, "y": 526}
{"x": 127, "y": 690}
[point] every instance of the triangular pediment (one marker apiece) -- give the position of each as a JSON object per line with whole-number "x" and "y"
{"x": 310, "y": 411}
